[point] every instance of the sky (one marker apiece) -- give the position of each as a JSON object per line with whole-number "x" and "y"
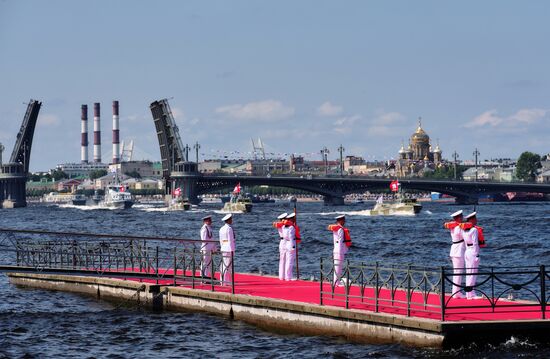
{"x": 300, "y": 75}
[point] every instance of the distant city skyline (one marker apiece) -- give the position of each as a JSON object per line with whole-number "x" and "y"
{"x": 299, "y": 75}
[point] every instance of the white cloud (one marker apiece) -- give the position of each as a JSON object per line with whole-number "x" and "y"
{"x": 328, "y": 109}
{"x": 388, "y": 118}
{"x": 48, "y": 120}
{"x": 267, "y": 110}
{"x": 346, "y": 124}
{"x": 386, "y": 124}
{"x": 486, "y": 118}
{"x": 528, "y": 115}
{"x": 522, "y": 117}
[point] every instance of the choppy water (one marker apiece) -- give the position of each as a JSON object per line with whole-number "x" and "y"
{"x": 36, "y": 323}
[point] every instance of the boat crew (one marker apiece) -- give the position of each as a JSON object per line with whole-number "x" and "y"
{"x": 227, "y": 247}
{"x": 207, "y": 246}
{"x": 471, "y": 255}
{"x": 342, "y": 241}
{"x": 457, "y": 251}
{"x": 279, "y": 225}
{"x": 289, "y": 243}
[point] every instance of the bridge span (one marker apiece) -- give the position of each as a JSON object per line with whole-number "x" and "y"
{"x": 13, "y": 175}
{"x": 333, "y": 189}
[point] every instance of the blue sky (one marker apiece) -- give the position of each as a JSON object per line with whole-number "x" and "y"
{"x": 299, "y": 74}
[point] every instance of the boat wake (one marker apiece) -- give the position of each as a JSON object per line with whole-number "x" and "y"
{"x": 365, "y": 213}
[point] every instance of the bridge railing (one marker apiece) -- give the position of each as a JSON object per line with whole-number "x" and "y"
{"x": 500, "y": 292}
{"x": 168, "y": 261}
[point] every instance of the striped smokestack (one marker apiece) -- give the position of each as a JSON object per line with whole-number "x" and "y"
{"x": 84, "y": 134}
{"x": 97, "y": 134}
{"x": 116, "y": 142}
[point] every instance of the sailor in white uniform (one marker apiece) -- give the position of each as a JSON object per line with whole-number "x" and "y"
{"x": 340, "y": 248}
{"x": 471, "y": 256}
{"x": 207, "y": 246}
{"x": 289, "y": 243}
{"x": 227, "y": 247}
{"x": 457, "y": 252}
{"x": 281, "y": 217}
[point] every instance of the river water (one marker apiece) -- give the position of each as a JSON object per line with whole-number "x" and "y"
{"x": 37, "y": 323}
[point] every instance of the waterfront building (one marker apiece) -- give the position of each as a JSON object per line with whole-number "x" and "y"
{"x": 145, "y": 169}
{"x": 81, "y": 169}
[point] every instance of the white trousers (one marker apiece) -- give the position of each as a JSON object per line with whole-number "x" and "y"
{"x": 472, "y": 263}
{"x": 338, "y": 265}
{"x": 458, "y": 267}
{"x": 226, "y": 270}
{"x": 282, "y": 259}
{"x": 286, "y": 264}
{"x": 206, "y": 263}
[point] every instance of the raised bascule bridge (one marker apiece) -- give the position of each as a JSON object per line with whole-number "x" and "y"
{"x": 178, "y": 171}
{"x": 13, "y": 174}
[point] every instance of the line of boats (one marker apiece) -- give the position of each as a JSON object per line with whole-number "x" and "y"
{"x": 116, "y": 197}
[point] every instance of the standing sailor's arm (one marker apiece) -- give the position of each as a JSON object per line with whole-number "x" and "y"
{"x": 231, "y": 237}
{"x": 340, "y": 235}
{"x": 204, "y": 235}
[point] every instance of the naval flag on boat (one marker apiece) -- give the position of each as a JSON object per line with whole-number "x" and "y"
{"x": 237, "y": 188}
{"x": 394, "y": 186}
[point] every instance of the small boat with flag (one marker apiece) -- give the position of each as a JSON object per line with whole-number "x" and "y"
{"x": 117, "y": 197}
{"x": 238, "y": 203}
{"x": 402, "y": 206}
{"x": 178, "y": 202}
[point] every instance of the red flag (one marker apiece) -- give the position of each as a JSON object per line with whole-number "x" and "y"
{"x": 122, "y": 189}
{"x": 394, "y": 186}
{"x": 237, "y": 188}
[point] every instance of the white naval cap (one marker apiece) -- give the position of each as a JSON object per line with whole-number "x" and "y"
{"x": 473, "y": 214}
{"x": 206, "y": 217}
{"x": 340, "y": 217}
{"x": 282, "y": 215}
{"x": 457, "y": 213}
{"x": 227, "y": 217}
{"x": 292, "y": 215}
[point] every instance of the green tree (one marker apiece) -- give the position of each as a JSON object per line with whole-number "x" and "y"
{"x": 97, "y": 173}
{"x": 445, "y": 172}
{"x": 527, "y": 166}
{"x": 59, "y": 174}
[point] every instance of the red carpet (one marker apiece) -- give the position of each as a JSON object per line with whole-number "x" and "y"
{"x": 308, "y": 292}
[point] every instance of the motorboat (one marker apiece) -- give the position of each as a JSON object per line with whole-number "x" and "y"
{"x": 117, "y": 197}
{"x": 403, "y": 206}
{"x": 96, "y": 198}
{"x": 238, "y": 204}
{"x": 57, "y": 198}
{"x": 179, "y": 204}
{"x": 79, "y": 200}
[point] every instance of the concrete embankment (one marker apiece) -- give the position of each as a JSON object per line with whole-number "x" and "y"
{"x": 285, "y": 316}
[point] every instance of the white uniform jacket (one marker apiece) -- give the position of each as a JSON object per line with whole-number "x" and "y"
{"x": 338, "y": 239}
{"x": 458, "y": 247}
{"x": 289, "y": 238}
{"x": 207, "y": 235}
{"x": 227, "y": 238}
{"x": 471, "y": 240}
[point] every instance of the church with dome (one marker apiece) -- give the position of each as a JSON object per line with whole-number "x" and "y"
{"x": 418, "y": 154}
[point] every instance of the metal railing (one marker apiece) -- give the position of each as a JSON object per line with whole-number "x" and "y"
{"x": 423, "y": 291}
{"x": 170, "y": 261}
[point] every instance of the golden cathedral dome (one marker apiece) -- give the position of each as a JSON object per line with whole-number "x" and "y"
{"x": 420, "y": 135}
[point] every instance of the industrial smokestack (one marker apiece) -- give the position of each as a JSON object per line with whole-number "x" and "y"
{"x": 97, "y": 134}
{"x": 84, "y": 132}
{"x": 116, "y": 142}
